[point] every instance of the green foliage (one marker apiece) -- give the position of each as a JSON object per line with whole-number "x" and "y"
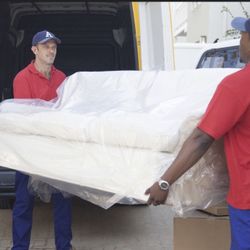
{"x": 244, "y": 10}
{"x": 226, "y": 9}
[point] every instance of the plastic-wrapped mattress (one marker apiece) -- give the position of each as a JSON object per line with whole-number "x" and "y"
{"x": 109, "y": 135}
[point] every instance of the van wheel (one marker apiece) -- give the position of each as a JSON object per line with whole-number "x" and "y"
{"x": 6, "y": 203}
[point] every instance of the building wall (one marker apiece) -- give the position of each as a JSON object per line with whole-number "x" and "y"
{"x": 180, "y": 15}
{"x": 207, "y": 20}
{"x": 197, "y": 21}
{"x": 192, "y": 22}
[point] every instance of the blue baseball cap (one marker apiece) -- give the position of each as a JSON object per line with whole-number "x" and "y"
{"x": 241, "y": 24}
{"x": 43, "y": 37}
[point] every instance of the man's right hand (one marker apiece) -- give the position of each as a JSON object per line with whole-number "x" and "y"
{"x": 157, "y": 196}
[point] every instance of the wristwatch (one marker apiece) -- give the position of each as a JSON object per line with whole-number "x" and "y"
{"x": 164, "y": 185}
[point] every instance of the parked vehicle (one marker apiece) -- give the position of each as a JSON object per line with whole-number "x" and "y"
{"x": 224, "y": 54}
{"x": 221, "y": 55}
{"x": 187, "y": 55}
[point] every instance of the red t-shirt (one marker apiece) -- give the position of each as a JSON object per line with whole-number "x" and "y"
{"x": 228, "y": 115}
{"x": 30, "y": 83}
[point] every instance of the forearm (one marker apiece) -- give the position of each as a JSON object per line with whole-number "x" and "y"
{"x": 192, "y": 150}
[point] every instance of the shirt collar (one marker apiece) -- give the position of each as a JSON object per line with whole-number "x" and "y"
{"x": 32, "y": 69}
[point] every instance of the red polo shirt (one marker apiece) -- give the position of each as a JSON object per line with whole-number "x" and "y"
{"x": 228, "y": 115}
{"x": 30, "y": 83}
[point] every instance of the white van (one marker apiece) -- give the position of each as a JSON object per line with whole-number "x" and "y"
{"x": 223, "y": 54}
{"x": 187, "y": 55}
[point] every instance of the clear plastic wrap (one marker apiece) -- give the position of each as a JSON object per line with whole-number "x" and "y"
{"x": 206, "y": 183}
{"x": 109, "y": 135}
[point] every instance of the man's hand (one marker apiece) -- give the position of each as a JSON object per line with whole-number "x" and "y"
{"x": 156, "y": 195}
{"x": 192, "y": 150}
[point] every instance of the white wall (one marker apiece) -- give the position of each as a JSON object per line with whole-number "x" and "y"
{"x": 197, "y": 22}
{"x": 180, "y": 15}
{"x": 208, "y": 19}
{"x": 216, "y": 22}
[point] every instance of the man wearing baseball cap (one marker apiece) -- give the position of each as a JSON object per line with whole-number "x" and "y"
{"x": 228, "y": 116}
{"x": 39, "y": 79}
{"x": 43, "y": 37}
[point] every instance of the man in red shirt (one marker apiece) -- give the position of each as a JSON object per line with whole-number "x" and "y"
{"x": 228, "y": 115}
{"x": 39, "y": 79}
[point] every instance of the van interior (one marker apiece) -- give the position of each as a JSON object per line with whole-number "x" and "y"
{"x": 96, "y": 36}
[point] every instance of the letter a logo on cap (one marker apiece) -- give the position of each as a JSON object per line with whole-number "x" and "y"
{"x": 43, "y": 37}
{"x": 48, "y": 35}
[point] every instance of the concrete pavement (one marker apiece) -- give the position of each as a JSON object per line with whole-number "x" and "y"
{"x": 121, "y": 227}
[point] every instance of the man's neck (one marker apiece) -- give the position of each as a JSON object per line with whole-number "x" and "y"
{"x": 44, "y": 69}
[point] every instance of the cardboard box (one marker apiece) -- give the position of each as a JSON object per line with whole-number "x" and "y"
{"x": 200, "y": 231}
{"x": 220, "y": 209}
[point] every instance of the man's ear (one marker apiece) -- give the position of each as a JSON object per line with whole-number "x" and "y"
{"x": 34, "y": 49}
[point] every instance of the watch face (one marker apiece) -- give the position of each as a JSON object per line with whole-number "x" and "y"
{"x": 164, "y": 185}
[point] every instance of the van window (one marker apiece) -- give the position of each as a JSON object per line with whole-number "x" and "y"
{"x": 221, "y": 58}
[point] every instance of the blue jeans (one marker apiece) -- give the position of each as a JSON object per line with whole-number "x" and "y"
{"x": 22, "y": 217}
{"x": 240, "y": 228}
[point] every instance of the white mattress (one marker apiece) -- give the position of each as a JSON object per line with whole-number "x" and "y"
{"x": 115, "y": 132}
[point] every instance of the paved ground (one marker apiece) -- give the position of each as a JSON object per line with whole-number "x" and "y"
{"x": 119, "y": 228}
